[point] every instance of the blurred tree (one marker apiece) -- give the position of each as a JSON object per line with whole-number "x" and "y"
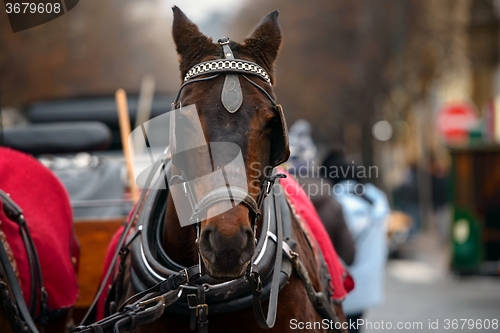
{"x": 96, "y": 48}
{"x": 346, "y": 64}
{"x": 333, "y": 64}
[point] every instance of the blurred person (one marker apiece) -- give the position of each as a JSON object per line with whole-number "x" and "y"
{"x": 365, "y": 209}
{"x": 302, "y": 147}
{"x": 440, "y": 200}
{"x": 302, "y": 154}
{"x": 330, "y": 213}
{"x": 406, "y": 197}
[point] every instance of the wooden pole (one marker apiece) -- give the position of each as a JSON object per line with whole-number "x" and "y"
{"x": 124, "y": 121}
{"x": 144, "y": 105}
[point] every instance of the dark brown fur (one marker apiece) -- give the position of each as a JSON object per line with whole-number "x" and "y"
{"x": 250, "y": 129}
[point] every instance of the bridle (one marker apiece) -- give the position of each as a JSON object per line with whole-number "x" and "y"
{"x": 232, "y": 96}
{"x": 232, "y": 99}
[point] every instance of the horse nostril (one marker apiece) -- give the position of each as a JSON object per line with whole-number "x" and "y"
{"x": 250, "y": 237}
{"x": 207, "y": 243}
{"x": 248, "y": 246}
{"x": 227, "y": 250}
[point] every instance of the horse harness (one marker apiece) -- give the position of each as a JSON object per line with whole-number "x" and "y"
{"x": 18, "y": 313}
{"x": 164, "y": 283}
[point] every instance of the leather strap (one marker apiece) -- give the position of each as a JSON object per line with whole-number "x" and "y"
{"x": 174, "y": 281}
{"x": 267, "y": 186}
{"x": 199, "y": 310}
{"x": 91, "y": 314}
{"x": 202, "y": 310}
{"x": 268, "y": 321}
{"x": 318, "y": 299}
{"x": 232, "y": 96}
{"x": 143, "y": 311}
{"x": 38, "y": 295}
{"x": 38, "y": 292}
{"x": 235, "y": 194}
{"x": 16, "y": 290}
{"x": 144, "y": 307}
{"x": 175, "y": 104}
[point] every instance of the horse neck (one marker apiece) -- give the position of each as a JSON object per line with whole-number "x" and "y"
{"x": 178, "y": 242}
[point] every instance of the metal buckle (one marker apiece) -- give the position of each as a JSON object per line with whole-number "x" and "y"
{"x": 269, "y": 183}
{"x": 255, "y": 277}
{"x": 223, "y": 41}
{"x": 204, "y": 306}
{"x": 153, "y": 300}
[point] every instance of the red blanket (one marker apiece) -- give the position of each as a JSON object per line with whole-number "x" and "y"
{"x": 47, "y": 211}
{"x": 342, "y": 282}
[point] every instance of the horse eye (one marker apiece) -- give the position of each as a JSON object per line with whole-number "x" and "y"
{"x": 271, "y": 123}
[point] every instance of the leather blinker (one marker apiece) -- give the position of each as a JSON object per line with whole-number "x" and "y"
{"x": 280, "y": 148}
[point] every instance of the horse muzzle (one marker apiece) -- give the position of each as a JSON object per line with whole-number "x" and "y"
{"x": 227, "y": 244}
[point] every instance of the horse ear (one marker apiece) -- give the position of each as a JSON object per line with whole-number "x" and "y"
{"x": 190, "y": 42}
{"x": 265, "y": 40}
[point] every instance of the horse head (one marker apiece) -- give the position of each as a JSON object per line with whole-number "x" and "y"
{"x": 236, "y": 109}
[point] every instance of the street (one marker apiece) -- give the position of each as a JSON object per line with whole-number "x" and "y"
{"x": 422, "y": 296}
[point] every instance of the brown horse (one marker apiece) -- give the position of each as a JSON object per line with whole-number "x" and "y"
{"x": 225, "y": 245}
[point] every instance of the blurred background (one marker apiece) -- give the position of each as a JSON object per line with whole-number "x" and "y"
{"x": 410, "y": 87}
